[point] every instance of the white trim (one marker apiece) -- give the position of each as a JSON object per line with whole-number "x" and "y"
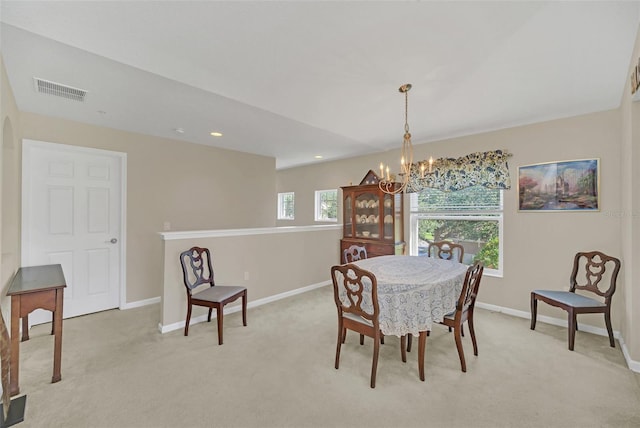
{"x": 140, "y": 303}
{"x": 191, "y": 234}
{"x": 123, "y": 230}
{"x": 180, "y": 325}
{"x": 633, "y": 365}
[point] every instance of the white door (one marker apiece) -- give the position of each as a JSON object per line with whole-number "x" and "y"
{"x": 72, "y": 214}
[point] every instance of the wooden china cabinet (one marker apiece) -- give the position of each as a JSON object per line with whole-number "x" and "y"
{"x": 372, "y": 218}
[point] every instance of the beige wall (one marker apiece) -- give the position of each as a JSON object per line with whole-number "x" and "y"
{"x": 276, "y": 261}
{"x": 189, "y": 185}
{"x": 630, "y": 210}
{"x": 538, "y": 247}
{"x": 10, "y": 200}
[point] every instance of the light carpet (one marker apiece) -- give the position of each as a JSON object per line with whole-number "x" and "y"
{"x": 119, "y": 371}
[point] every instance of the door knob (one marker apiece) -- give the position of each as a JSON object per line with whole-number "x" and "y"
{"x": 113, "y": 240}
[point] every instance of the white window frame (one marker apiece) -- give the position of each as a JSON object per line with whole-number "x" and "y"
{"x": 470, "y": 215}
{"x": 318, "y": 206}
{"x": 281, "y": 206}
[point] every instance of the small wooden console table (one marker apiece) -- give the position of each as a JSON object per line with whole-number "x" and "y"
{"x": 35, "y": 287}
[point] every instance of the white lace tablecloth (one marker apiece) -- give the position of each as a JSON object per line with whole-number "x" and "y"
{"x": 414, "y": 292}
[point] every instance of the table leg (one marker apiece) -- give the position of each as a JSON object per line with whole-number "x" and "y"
{"x": 422, "y": 342}
{"x": 25, "y": 328}
{"x": 57, "y": 326}
{"x": 14, "y": 388}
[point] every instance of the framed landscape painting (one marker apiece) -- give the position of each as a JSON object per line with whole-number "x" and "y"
{"x": 560, "y": 186}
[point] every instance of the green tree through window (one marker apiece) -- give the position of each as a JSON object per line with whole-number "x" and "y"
{"x": 471, "y": 217}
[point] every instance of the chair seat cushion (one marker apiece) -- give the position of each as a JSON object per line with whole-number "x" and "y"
{"x": 357, "y": 318}
{"x": 569, "y": 298}
{"x": 218, "y": 293}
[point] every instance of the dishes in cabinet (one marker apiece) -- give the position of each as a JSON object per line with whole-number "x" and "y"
{"x": 365, "y": 233}
{"x": 375, "y": 235}
{"x": 387, "y": 203}
{"x": 362, "y": 218}
{"x": 388, "y": 219}
{"x": 372, "y": 219}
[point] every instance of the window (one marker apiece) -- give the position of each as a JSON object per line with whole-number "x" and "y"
{"x": 326, "y": 205}
{"x": 471, "y": 217}
{"x": 286, "y": 206}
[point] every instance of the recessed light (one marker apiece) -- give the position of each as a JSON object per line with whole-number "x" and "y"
{"x": 216, "y": 134}
{"x": 318, "y": 156}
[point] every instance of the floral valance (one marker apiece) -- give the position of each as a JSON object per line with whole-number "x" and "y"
{"x": 488, "y": 169}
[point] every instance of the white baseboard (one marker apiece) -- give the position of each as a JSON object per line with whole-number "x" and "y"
{"x": 141, "y": 303}
{"x": 632, "y": 364}
{"x": 180, "y": 325}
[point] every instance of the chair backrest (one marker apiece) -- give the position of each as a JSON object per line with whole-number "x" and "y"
{"x": 446, "y": 250}
{"x": 596, "y": 272}
{"x": 354, "y": 253}
{"x": 196, "y": 268}
{"x": 355, "y": 291}
{"x": 470, "y": 287}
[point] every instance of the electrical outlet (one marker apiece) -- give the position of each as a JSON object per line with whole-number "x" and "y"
{"x": 246, "y": 276}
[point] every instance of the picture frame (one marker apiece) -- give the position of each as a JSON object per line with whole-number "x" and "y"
{"x": 560, "y": 186}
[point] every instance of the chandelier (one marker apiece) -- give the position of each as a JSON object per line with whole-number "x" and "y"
{"x": 388, "y": 183}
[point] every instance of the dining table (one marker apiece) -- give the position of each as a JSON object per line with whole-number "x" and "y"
{"x": 414, "y": 292}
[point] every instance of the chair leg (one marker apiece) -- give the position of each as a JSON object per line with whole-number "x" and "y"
{"x": 220, "y": 314}
{"x": 382, "y": 338}
{"x": 344, "y": 335}
{"x": 362, "y": 339}
{"x": 186, "y": 324}
{"x": 534, "y": 311}
{"x": 209, "y": 316}
{"x": 473, "y": 334}
{"x": 409, "y": 340}
{"x": 572, "y": 329}
{"x": 458, "y": 337}
{"x": 341, "y": 337}
{"x": 374, "y": 365}
{"x": 403, "y": 348}
{"x": 244, "y": 309}
{"x": 607, "y": 321}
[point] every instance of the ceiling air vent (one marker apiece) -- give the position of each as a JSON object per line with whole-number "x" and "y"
{"x": 59, "y": 90}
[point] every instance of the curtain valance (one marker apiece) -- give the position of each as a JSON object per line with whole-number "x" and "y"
{"x": 488, "y": 169}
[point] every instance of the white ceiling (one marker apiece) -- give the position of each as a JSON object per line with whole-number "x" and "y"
{"x": 302, "y": 78}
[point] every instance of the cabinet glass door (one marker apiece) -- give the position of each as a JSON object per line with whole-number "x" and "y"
{"x": 367, "y": 215}
{"x": 388, "y": 217}
{"x": 348, "y": 218}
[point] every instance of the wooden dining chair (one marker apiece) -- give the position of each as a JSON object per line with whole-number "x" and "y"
{"x": 355, "y": 292}
{"x": 354, "y": 253}
{"x": 463, "y": 312}
{"x": 590, "y": 273}
{"x": 446, "y": 250}
{"x": 197, "y": 271}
